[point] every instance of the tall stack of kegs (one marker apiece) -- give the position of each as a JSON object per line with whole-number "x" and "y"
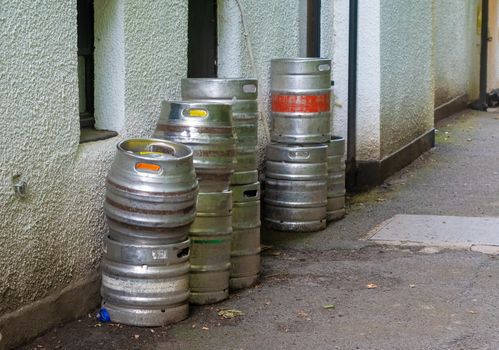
{"x": 241, "y": 94}
{"x": 150, "y": 205}
{"x": 296, "y": 168}
{"x": 206, "y": 128}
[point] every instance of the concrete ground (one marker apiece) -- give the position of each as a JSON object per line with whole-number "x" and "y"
{"x": 422, "y": 298}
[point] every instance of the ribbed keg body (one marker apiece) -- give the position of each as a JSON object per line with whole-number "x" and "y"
{"x": 336, "y": 178}
{"x": 151, "y": 192}
{"x": 242, "y": 95}
{"x": 207, "y": 129}
{"x": 245, "y": 251}
{"x": 145, "y": 285}
{"x": 211, "y": 235}
{"x": 151, "y": 195}
{"x": 296, "y": 187}
{"x": 301, "y": 100}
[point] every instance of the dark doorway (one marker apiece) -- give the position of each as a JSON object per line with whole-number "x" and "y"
{"x": 202, "y": 35}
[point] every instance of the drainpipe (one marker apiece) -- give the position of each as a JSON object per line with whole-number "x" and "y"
{"x": 481, "y": 104}
{"x": 351, "y": 163}
{"x": 314, "y": 28}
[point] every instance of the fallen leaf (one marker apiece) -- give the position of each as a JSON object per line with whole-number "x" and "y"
{"x": 230, "y": 313}
{"x": 303, "y": 314}
{"x": 329, "y": 306}
{"x": 205, "y": 328}
{"x": 412, "y": 285}
{"x": 371, "y": 286}
{"x": 136, "y": 336}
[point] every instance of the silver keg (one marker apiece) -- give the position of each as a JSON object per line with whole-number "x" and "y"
{"x": 145, "y": 285}
{"x": 245, "y": 251}
{"x": 242, "y": 95}
{"x": 296, "y": 187}
{"x": 301, "y": 100}
{"x": 336, "y": 178}
{"x": 295, "y": 162}
{"x": 210, "y": 248}
{"x": 207, "y": 129}
{"x": 151, "y": 192}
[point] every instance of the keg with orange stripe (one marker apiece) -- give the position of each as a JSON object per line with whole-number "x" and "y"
{"x": 301, "y": 100}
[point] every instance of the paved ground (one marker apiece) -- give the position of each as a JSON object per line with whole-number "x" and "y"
{"x": 422, "y": 298}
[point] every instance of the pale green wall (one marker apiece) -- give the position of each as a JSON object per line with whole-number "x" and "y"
{"x": 457, "y": 49}
{"x": 407, "y": 82}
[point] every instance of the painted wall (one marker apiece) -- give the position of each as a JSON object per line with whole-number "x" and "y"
{"x": 53, "y": 237}
{"x": 493, "y": 47}
{"x": 334, "y": 44}
{"x": 368, "y": 81}
{"x": 456, "y": 50}
{"x": 407, "y": 81}
{"x": 270, "y": 38}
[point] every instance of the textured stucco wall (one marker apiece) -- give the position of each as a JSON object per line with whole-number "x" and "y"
{"x": 407, "y": 84}
{"x": 53, "y": 236}
{"x": 273, "y": 28}
{"x": 335, "y": 45}
{"x": 109, "y": 58}
{"x": 456, "y": 50}
{"x": 368, "y": 81}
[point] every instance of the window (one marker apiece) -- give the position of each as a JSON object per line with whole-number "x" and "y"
{"x": 86, "y": 62}
{"x": 202, "y": 34}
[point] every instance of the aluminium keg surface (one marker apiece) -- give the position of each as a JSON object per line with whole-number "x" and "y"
{"x": 434, "y": 230}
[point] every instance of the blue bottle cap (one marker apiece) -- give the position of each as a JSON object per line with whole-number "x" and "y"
{"x": 103, "y": 315}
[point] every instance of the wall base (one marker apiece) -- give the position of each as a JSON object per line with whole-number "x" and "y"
{"x": 453, "y": 106}
{"x": 372, "y": 173}
{"x": 72, "y": 302}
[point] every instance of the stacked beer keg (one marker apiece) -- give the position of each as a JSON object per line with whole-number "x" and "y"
{"x": 207, "y": 129}
{"x": 335, "y": 178}
{"x": 241, "y": 94}
{"x": 296, "y": 169}
{"x": 150, "y": 205}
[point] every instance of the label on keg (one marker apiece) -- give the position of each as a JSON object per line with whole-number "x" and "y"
{"x": 301, "y": 103}
{"x": 159, "y": 254}
{"x": 145, "y": 286}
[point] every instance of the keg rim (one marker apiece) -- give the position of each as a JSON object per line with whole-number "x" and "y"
{"x": 336, "y": 138}
{"x": 177, "y": 146}
{"x": 296, "y": 146}
{"x": 220, "y": 79}
{"x": 300, "y": 59}
{"x": 196, "y": 103}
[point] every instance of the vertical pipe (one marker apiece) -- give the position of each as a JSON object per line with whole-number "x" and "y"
{"x": 313, "y": 28}
{"x": 352, "y": 95}
{"x": 483, "y": 54}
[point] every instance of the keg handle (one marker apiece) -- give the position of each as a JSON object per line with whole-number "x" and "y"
{"x": 323, "y": 67}
{"x": 250, "y": 193}
{"x": 160, "y": 148}
{"x": 195, "y": 113}
{"x": 249, "y": 88}
{"x": 299, "y": 154}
